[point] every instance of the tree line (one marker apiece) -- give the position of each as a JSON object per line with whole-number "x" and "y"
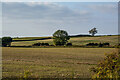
{"x": 60, "y": 38}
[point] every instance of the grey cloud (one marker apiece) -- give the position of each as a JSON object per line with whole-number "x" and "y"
{"x": 26, "y": 19}
{"x": 42, "y": 11}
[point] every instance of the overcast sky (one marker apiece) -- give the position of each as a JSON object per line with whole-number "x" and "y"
{"x": 60, "y": 0}
{"x": 44, "y": 18}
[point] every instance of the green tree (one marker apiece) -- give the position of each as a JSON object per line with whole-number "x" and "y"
{"x": 60, "y": 37}
{"x": 93, "y": 31}
{"x": 6, "y": 41}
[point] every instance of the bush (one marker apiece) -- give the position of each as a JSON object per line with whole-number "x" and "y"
{"x": 92, "y": 44}
{"x": 106, "y": 44}
{"x": 44, "y": 44}
{"x": 6, "y": 41}
{"x": 36, "y": 44}
{"x": 69, "y": 44}
{"x": 40, "y": 44}
{"x": 108, "y": 68}
{"x": 99, "y": 44}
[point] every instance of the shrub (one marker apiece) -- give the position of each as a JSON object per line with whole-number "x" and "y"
{"x": 36, "y": 44}
{"x": 6, "y": 41}
{"x": 46, "y": 44}
{"x": 99, "y": 45}
{"x": 106, "y": 44}
{"x": 40, "y": 44}
{"x": 92, "y": 44}
{"x": 69, "y": 44}
{"x": 26, "y": 75}
{"x": 108, "y": 68}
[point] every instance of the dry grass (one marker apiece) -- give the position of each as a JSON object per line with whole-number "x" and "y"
{"x": 51, "y": 62}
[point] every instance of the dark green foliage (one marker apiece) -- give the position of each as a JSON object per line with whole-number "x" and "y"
{"x": 60, "y": 38}
{"x": 6, "y": 41}
{"x": 104, "y": 44}
{"x": 98, "y": 44}
{"x": 93, "y": 31}
{"x": 92, "y": 44}
{"x": 109, "y": 68}
{"x": 0, "y": 42}
{"x": 36, "y": 44}
{"x": 69, "y": 44}
{"x": 40, "y": 44}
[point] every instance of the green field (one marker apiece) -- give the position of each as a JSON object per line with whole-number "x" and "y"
{"x": 113, "y": 40}
{"x": 51, "y": 62}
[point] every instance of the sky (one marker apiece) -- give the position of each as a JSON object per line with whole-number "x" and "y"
{"x": 44, "y": 18}
{"x": 60, "y": 0}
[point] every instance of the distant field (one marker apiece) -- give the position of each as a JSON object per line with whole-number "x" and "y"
{"x": 51, "y": 62}
{"x": 113, "y": 40}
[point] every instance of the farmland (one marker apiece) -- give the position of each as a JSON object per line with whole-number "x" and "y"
{"x": 113, "y": 40}
{"x": 57, "y": 62}
{"x": 59, "y": 40}
{"x": 51, "y": 62}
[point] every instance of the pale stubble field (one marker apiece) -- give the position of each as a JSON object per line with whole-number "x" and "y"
{"x": 51, "y": 62}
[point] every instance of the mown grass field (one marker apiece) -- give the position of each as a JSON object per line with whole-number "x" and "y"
{"x": 51, "y": 62}
{"x": 113, "y": 40}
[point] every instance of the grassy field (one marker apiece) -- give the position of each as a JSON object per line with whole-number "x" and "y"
{"x": 113, "y": 40}
{"x": 51, "y": 62}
